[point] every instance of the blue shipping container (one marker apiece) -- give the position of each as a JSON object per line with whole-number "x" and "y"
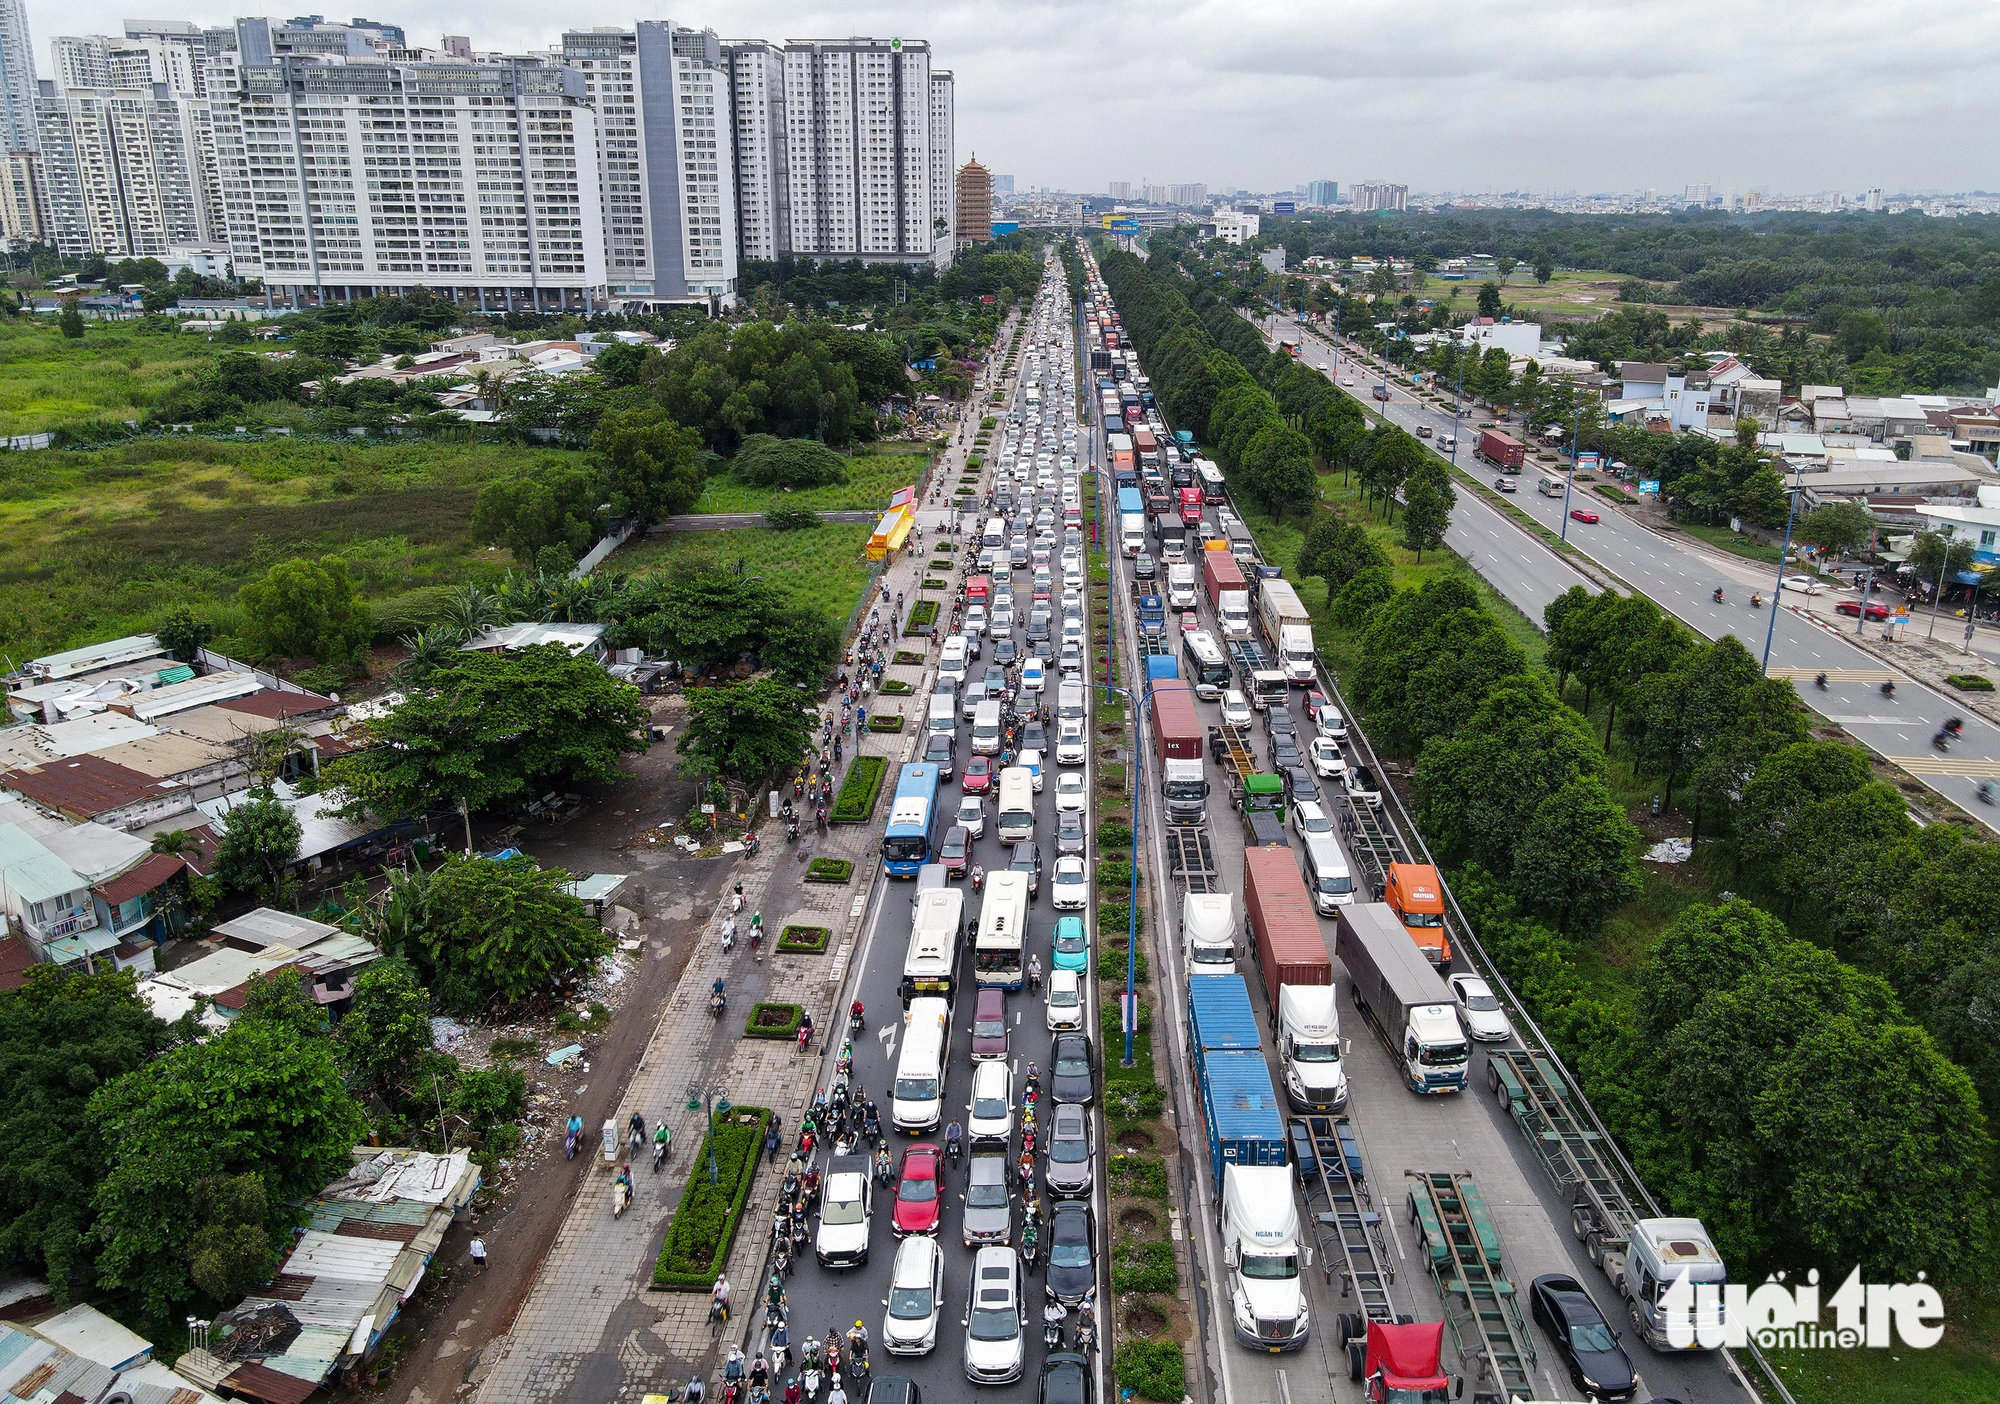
{"x": 1162, "y": 665}
{"x": 1240, "y": 1110}
{"x": 1219, "y": 1015}
{"x": 1129, "y": 502}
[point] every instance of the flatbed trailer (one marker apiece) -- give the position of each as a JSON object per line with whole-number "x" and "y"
{"x": 1191, "y": 858}
{"x": 1373, "y": 844}
{"x": 1534, "y": 1092}
{"x": 1155, "y": 644}
{"x": 1347, "y": 1227}
{"x": 1231, "y": 746}
{"x": 1482, "y": 1308}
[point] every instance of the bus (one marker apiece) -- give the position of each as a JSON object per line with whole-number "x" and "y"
{"x": 1206, "y": 668}
{"x": 1289, "y": 345}
{"x": 1210, "y": 477}
{"x": 931, "y": 965}
{"x": 1003, "y": 929}
{"x": 906, "y": 843}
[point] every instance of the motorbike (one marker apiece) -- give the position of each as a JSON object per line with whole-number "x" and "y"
{"x": 660, "y": 1148}
{"x": 1717, "y": 597}
{"x": 978, "y": 877}
{"x": 809, "y": 1377}
{"x": 1756, "y": 601}
{"x": 857, "y": 1017}
{"x": 621, "y": 1195}
{"x": 637, "y": 1129}
{"x": 572, "y": 1138}
{"x": 751, "y": 843}
{"x": 1820, "y": 682}
{"x": 1942, "y": 741}
{"x": 1889, "y": 689}
{"x": 792, "y": 830}
{"x": 716, "y": 1002}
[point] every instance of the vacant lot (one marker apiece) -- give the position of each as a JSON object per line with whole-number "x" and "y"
{"x": 115, "y": 373}
{"x": 871, "y": 478}
{"x": 821, "y": 566}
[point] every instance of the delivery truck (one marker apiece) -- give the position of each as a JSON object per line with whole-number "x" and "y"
{"x": 1282, "y": 926}
{"x": 1288, "y": 630}
{"x": 1502, "y": 450}
{"x": 1413, "y": 892}
{"x": 1402, "y": 997}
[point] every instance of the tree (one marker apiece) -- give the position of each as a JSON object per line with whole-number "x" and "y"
{"x": 1840, "y": 527}
{"x": 1336, "y": 550}
{"x": 231, "y": 1252}
{"x": 70, "y": 320}
{"x": 766, "y": 461}
{"x": 1283, "y": 470}
{"x": 260, "y": 841}
{"x": 303, "y": 607}
{"x": 1505, "y": 267}
{"x": 183, "y": 635}
{"x": 555, "y": 504}
{"x": 799, "y": 646}
{"x": 745, "y": 730}
{"x": 1937, "y": 558}
{"x": 703, "y": 615}
{"x": 501, "y": 930}
{"x": 388, "y": 1025}
{"x": 1489, "y": 300}
{"x": 1545, "y": 268}
{"x": 1427, "y": 504}
{"x": 1393, "y": 456}
{"x": 284, "y": 998}
{"x": 1678, "y": 713}
{"x": 784, "y": 518}
{"x": 255, "y": 1100}
{"x": 652, "y": 465}
{"x": 494, "y": 727}
{"x": 1576, "y": 859}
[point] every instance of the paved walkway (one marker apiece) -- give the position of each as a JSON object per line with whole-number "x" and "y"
{"x": 592, "y": 1331}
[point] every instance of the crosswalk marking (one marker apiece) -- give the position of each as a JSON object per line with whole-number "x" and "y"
{"x": 1834, "y": 675}
{"x": 1967, "y": 767}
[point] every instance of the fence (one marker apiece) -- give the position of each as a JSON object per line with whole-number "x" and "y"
{"x": 213, "y": 662}
{"x": 594, "y": 557}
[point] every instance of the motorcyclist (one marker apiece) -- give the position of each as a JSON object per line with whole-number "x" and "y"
{"x": 954, "y": 1139}
{"x": 636, "y": 1125}
{"x": 1718, "y": 594}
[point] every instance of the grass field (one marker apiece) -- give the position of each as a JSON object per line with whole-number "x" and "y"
{"x": 114, "y": 373}
{"x": 871, "y": 478}
{"x": 821, "y": 566}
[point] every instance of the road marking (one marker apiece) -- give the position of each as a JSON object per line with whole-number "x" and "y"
{"x": 1966, "y": 767}
{"x": 887, "y": 1034}
{"x": 1833, "y": 675}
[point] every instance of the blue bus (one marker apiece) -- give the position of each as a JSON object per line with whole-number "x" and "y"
{"x": 1130, "y": 504}
{"x": 906, "y": 843}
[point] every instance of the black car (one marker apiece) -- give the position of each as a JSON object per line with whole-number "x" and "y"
{"x": 1144, "y": 567}
{"x": 1300, "y": 785}
{"x": 1285, "y": 752}
{"x": 1597, "y": 1363}
{"x": 1004, "y": 651}
{"x": 1028, "y": 859}
{"x": 940, "y": 752}
{"x": 1065, "y": 1379}
{"x": 1034, "y": 738}
{"x": 900, "y": 1389}
{"x": 1070, "y": 1078}
{"x": 1042, "y": 648}
{"x": 1278, "y": 721}
{"x": 1038, "y": 625}
{"x": 1072, "y": 1264}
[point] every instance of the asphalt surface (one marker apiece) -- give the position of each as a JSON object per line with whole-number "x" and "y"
{"x": 1682, "y": 581}
{"x": 822, "y": 1298}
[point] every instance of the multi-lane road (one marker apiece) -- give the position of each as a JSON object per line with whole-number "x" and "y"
{"x": 1682, "y": 580}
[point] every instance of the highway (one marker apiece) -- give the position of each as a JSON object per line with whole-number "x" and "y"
{"x": 1682, "y": 581}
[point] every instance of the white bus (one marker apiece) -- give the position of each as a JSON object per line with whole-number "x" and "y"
{"x": 936, "y": 932}
{"x": 995, "y": 534}
{"x": 1017, "y": 805}
{"x": 917, "y": 1101}
{"x": 1206, "y": 668}
{"x": 1003, "y": 929}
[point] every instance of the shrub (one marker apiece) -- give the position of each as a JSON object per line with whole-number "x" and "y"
{"x": 854, "y": 803}
{"x": 829, "y": 870}
{"x": 1112, "y": 918}
{"x": 791, "y": 518}
{"x": 1138, "y": 1177}
{"x": 923, "y": 618}
{"x": 1114, "y": 873}
{"x": 768, "y": 461}
{"x": 1144, "y": 1267}
{"x": 773, "y": 1021}
{"x": 704, "y": 1226}
{"x": 1151, "y": 1370}
{"x": 1111, "y": 835}
{"x": 881, "y": 723}
{"x": 1970, "y": 682}
{"x": 803, "y": 940}
{"x": 931, "y": 582}
{"x": 896, "y": 687}
{"x": 907, "y": 659}
{"x": 1111, "y": 965}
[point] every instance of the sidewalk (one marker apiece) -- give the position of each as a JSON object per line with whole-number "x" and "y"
{"x": 592, "y": 1331}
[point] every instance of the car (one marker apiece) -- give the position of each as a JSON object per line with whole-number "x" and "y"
{"x": 1582, "y": 514}
{"x": 1478, "y": 1010}
{"x": 995, "y": 1344}
{"x": 1328, "y": 720}
{"x": 1064, "y": 993}
{"x": 1144, "y": 567}
{"x": 941, "y": 751}
{"x": 1030, "y": 760}
{"x": 1034, "y": 736}
{"x": 1071, "y": 791}
{"x": 1347, "y": 380}
{"x": 916, "y": 1297}
{"x": 989, "y": 1206}
{"x": 955, "y": 852}
{"x": 1034, "y": 673}
{"x": 1070, "y": 1273}
{"x": 1327, "y": 761}
{"x": 972, "y": 815}
{"x": 1309, "y": 819}
{"x": 1360, "y": 787}
{"x": 1069, "y": 1172}
{"x": 1804, "y": 584}
{"x": 995, "y": 678}
{"x": 1071, "y": 601}
{"x": 1071, "y": 944}
{"x": 1005, "y": 651}
{"x": 1598, "y": 1365}
{"x": 1039, "y": 620}
{"x": 1235, "y": 708}
{"x": 1423, "y": 431}
{"x": 989, "y": 1024}
{"x": 975, "y": 621}
{"x": 989, "y": 1121}
{"x": 1285, "y": 752}
{"x": 1072, "y": 748}
{"x": 978, "y": 777}
{"x": 1504, "y": 483}
{"x": 1070, "y": 1078}
{"x": 1045, "y": 651}
{"x": 1072, "y": 630}
{"x": 1279, "y": 719}
{"x": 1190, "y": 622}
{"x": 1027, "y": 858}
{"x": 846, "y": 1196}
{"x": 1853, "y": 609}
{"x": 916, "y": 1207}
{"x": 1069, "y": 662}
{"x": 1069, "y": 832}
{"x": 1071, "y": 890}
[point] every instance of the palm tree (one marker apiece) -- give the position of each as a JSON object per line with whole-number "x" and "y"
{"x": 429, "y": 650}
{"x": 175, "y": 843}
{"x": 471, "y": 610}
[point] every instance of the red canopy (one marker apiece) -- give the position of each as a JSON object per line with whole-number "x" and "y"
{"x": 1407, "y": 1355}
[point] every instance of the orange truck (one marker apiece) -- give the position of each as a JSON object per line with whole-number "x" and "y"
{"x": 1416, "y": 896}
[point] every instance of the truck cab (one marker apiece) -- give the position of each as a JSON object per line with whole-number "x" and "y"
{"x": 1208, "y": 933}
{"x": 1403, "y": 1363}
{"x": 1184, "y": 786}
{"x": 1260, "y": 1245}
{"x": 1656, "y": 1254}
{"x": 1232, "y": 612}
{"x": 1309, "y": 1048}
{"x": 1264, "y": 794}
{"x": 1414, "y": 893}
{"x": 1296, "y": 654}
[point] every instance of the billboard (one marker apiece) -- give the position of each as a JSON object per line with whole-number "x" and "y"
{"x": 1008, "y": 226}
{"x": 1123, "y": 226}
{"x": 1284, "y": 206}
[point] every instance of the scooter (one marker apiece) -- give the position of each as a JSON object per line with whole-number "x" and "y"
{"x": 716, "y": 1002}
{"x": 660, "y": 1147}
{"x": 621, "y": 1194}
{"x": 572, "y": 1138}
{"x": 1756, "y": 601}
{"x": 857, "y": 1021}
{"x": 1820, "y": 682}
{"x": 751, "y": 843}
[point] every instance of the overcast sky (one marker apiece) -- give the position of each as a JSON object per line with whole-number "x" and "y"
{"x": 1474, "y": 95}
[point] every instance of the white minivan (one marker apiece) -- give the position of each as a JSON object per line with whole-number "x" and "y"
{"x": 943, "y": 714}
{"x": 986, "y": 730}
{"x": 917, "y": 1098}
{"x": 952, "y": 657}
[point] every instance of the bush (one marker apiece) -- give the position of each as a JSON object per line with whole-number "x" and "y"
{"x": 1112, "y": 918}
{"x": 791, "y": 518}
{"x": 1114, "y": 873}
{"x": 895, "y": 687}
{"x": 773, "y": 1021}
{"x": 1970, "y": 682}
{"x": 1111, "y": 966}
{"x": 907, "y": 658}
{"x": 704, "y": 1226}
{"x": 1138, "y": 1177}
{"x": 803, "y": 940}
{"x": 1151, "y": 1370}
{"x": 1112, "y": 835}
{"x": 923, "y": 618}
{"x": 1144, "y": 1267}
{"x": 829, "y": 870}
{"x": 882, "y": 723}
{"x": 854, "y": 803}
{"x": 768, "y": 461}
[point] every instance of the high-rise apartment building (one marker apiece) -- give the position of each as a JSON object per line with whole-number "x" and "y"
{"x": 974, "y": 189}
{"x": 763, "y": 170}
{"x": 943, "y": 153}
{"x": 1002, "y": 185}
{"x": 1119, "y": 189}
{"x": 858, "y": 115}
{"x": 121, "y": 172}
{"x": 1187, "y": 195}
{"x": 130, "y": 61}
{"x": 1373, "y": 195}
{"x": 668, "y": 184}
{"x": 1322, "y": 192}
{"x": 23, "y": 214}
{"x": 17, "y": 79}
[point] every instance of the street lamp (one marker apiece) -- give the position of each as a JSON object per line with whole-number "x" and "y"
{"x": 1569, "y": 479}
{"x": 1130, "y": 1018}
{"x": 1792, "y": 511}
{"x": 715, "y": 1104}
{"x": 1457, "y": 404}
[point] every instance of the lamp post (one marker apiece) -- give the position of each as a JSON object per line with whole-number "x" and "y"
{"x": 1130, "y": 1017}
{"x": 1457, "y": 405}
{"x": 1791, "y": 512}
{"x": 1569, "y": 479}
{"x": 715, "y": 1105}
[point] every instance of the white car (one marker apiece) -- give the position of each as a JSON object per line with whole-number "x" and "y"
{"x": 975, "y": 620}
{"x": 1071, "y": 747}
{"x": 995, "y": 1350}
{"x": 1235, "y": 708}
{"x": 1071, "y": 889}
{"x": 842, "y": 1240}
{"x": 972, "y": 814}
{"x": 1327, "y": 761}
{"x": 1003, "y": 620}
{"x": 1034, "y": 674}
{"x": 1804, "y": 584}
{"x": 1330, "y": 722}
{"x": 1478, "y": 1010}
{"x": 1030, "y": 760}
{"x": 1065, "y": 1000}
{"x": 990, "y": 1114}
{"x": 1071, "y": 602}
{"x": 1071, "y": 792}
{"x": 1309, "y": 819}
{"x": 916, "y": 1297}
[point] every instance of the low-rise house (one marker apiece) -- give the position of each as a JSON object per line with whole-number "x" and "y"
{"x": 86, "y": 788}
{"x": 579, "y": 639}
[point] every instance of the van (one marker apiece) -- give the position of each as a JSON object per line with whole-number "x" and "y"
{"x": 969, "y": 698}
{"x": 995, "y": 534}
{"x": 1069, "y": 702}
{"x": 952, "y": 657}
{"x": 943, "y": 715}
{"x": 1327, "y": 877}
{"x": 1017, "y": 804}
{"x": 986, "y": 732}
{"x": 917, "y": 1096}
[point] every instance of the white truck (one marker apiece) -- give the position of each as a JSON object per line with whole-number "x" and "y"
{"x": 1184, "y": 787}
{"x": 1181, "y": 592}
{"x": 1232, "y": 613}
{"x": 1265, "y": 1260}
{"x": 1309, "y": 1048}
{"x": 1132, "y": 533}
{"x": 1288, "y": 629}
{"x": 1208, "y": 933}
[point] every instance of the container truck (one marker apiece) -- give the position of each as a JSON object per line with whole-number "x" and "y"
{"x": 1501, "y": 450}
{"x": 1220, "y": 1018}
{"x": 1160, "y": 666}
{"x": 1413, "y": 892}
{"x": 1118, "y": 450}
{"x": 1152, "y": 612}
{"x": 1220, "y": 574}
{"x": 1184, "y": 787}
{"x": 1263, "y": 683}
{"x": 1288, "y": 630}
{"x": 1208, "y": 933}
{"x": 1180, "y": 586}
{"x": 1282, "y": 926}
{"x": 1264, "y": 1257}
{"x": 1239, "y": 1109}
{"x": 1177, "y": 731}
{"x": 1402, "y": 997}
{"x": 1190, "y": 500}
{"x": 1308, "y": 1037}
{"x": 1146, "y": 444}
{"x": 1129, "y": 502}
{"x": 1131, "y": 531}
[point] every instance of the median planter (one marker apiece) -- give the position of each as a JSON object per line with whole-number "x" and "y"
{"x": 895, "y": 687}
{"x": 889, "y": 724}
{"x": 803, "y": 940}
{"x": 922, "y": 620}
{"x": 1970, "y": 682}
{"x": 705, "y": 1223}
{"x": 854, "y": 803}
{"x": 834, "y": 870}
{"x": 774, "y": 1021}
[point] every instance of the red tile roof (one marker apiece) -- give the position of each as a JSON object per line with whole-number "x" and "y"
{"x": 82, "y": 787}
{"x": 15, "y": 958}
{"x": 144, "y": 878}
{"x": 279, "y": 706}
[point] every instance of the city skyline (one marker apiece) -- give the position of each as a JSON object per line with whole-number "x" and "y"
{"x": 1530, "y": 99}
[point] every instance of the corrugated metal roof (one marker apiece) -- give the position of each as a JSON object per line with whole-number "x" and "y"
{"x": 116, "y": 653}
{"x": 32, "y": 872}
{"x": 84, "y": 1330}
{"x": 329, "y": 1214}
{"x": 273, "y": 1385}
{"x": 185, "y": 696}
{"x": 328, "y": 1255}
{"x": 12, "y": 1343}
{"x": 201, "y": 1368}
{"x": 266, "y": 926}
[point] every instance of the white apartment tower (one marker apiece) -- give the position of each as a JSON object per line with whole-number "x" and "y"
{"x": 944, "y": 207}
{"x": 668, "y": 181}
{"x": 858, "y": 120}
{"x": 132, "y": 61}
{"x": 17, "y": 78}
{"x": 763, "y": 168}
{"x": 121, "y": 171}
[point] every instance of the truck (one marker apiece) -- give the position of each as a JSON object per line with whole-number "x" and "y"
{"x": 1263, "y": 683}
{"x": 1288, "y": 630}
{"x": 1176, "y": 728}
{"x": 1220, "y": 1017}
{"x": 1208, "y": 932}
{"x": 1131, "y": 530}
{"x": 1118, "y": 452}
{"x": 1308, "y": 1038}
{"x": 1402, "y": 997}
{"x": 1263, "y": 1256}
{"x": 1180, "y": 586}
{"x": 1283, "y": 928}
{"x": 1130, "y": 503}
{"x": 1220, "y": 575}
{"x": 1461, "y": 1250}
{"x": 1162, "y": 666}
{"x": 1184, "y": 788}
{"x": 1239, "y": 1109}
{"x": 1152, "y": 614}
{"x": 1263, "y": 829}
{"x": 1412, "y": 891}
{"x": 1190, "y": 500}
{"x": 1381, "y": 391}
{"x": 1503, "y": 451}
{"x": 1146, "y": 445}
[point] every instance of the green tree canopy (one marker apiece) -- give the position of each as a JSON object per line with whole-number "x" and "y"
{"x": 501, "y": 930}
{"x": 766, "y": 461}
{"x": 306, "y": 608}
{"x": 1427, "y": 502}
{"x": 1839, "y": 527}
{"x": 260, "y": 841}
{"x": 388, "y": 1024}
{"x": 551, "y": 504}
{"x": 652, "y": 465}
{"x": 745, "y": 730}
{"x": 1577, "y": 858}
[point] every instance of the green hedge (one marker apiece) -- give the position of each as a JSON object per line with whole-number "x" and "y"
{"x": 1114, "y": 836}
{"x": 1152, "y": 1370}
{"x": 1144, "y": 1267}
{"x": 885, "y": 723}
{"x": 1138, "y": 1177}
{"x": 829, "y": 870}
{"x": 907, "y": 659}
{"x": 1970, "y": 682}
{"x": 789, "y": 1029}
{"x": 923, "y": 617}
{"x": 854, "y": 803}
{"x": 803, "y": 940}
{"x": 1111, "y": 964}
{"x": 704, "y": 1225}
{"x": 1113, "y": 917}
{"x": 895, "y": 687}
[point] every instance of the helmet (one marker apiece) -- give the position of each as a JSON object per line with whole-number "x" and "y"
{"x": 858, "y": 1326}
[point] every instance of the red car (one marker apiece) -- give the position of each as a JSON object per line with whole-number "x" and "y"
{"x": 1852, "y": 608}
{"x": 1190, "y": 622}
{"x": 978, "y": 777}
{"x": 1582, "y": 514}
{"x": 956, "y": 851}
{"x": 917, "y": 1191}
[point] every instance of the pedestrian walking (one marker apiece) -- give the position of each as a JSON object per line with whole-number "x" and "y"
{"x": 477, "y": 1248}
